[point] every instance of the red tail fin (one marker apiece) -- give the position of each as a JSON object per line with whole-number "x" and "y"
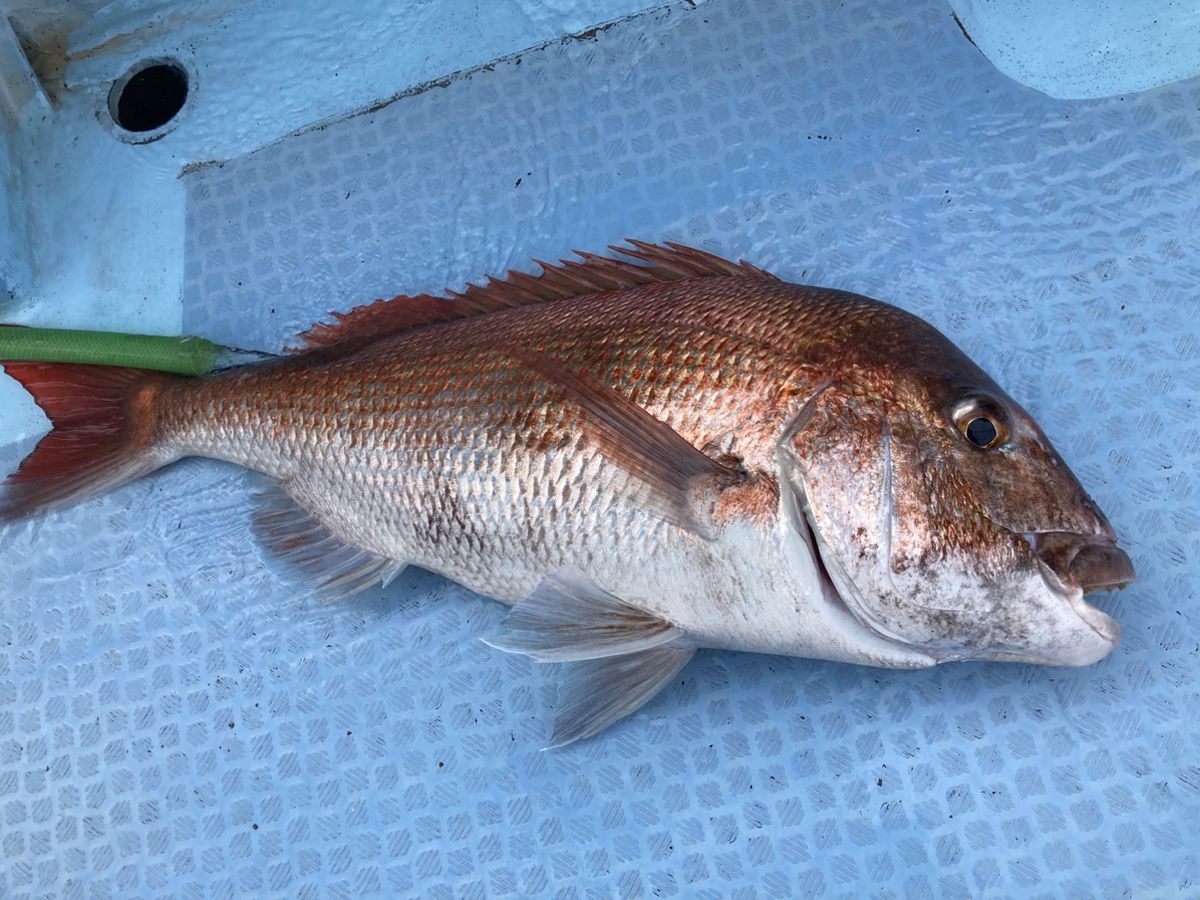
{"x": 103, "y": 422}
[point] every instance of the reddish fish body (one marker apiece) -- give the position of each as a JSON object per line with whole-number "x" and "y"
{"x": 646, "y": 459}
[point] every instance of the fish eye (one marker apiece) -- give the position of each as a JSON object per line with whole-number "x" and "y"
{"x": 982, "y": 432}
{"x": 980, "y": 421}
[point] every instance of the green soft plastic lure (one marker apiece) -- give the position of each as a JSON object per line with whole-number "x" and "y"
{"x": 181, "y": 355}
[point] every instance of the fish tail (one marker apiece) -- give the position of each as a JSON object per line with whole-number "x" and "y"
{"x": 102, "y": 437}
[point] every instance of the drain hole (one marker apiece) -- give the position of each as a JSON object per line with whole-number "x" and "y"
{"x": 149, "y": 97}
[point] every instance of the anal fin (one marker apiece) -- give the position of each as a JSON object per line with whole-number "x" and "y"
{"x": 618, "y": 656}
{"x": 323, "y": 564}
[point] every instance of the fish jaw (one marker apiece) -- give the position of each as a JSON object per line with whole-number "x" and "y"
{"x": 1073, "y": 634}
{"x": 1087, "y": 652}
{"x": 1105, "y": 627}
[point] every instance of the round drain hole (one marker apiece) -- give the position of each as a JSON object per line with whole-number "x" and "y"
{"x": 148, "y": 97}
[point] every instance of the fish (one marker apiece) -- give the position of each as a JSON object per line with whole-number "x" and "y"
{"x": 642, "y": 454}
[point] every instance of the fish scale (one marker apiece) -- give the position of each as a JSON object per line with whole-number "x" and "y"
{"x": 466, "y": 428}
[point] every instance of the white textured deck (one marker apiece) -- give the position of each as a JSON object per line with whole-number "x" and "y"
{"x": 172, "y": 722}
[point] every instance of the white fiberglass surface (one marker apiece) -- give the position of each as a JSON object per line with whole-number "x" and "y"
{"x": 175, "y": 721}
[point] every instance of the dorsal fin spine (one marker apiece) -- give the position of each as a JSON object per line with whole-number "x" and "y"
{"x": 590, "y": 274}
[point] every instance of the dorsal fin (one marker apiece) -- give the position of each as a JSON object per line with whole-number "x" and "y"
{"x": 656, "y": 264}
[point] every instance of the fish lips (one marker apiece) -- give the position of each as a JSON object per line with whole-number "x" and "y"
{"x": 1086, "y": 562}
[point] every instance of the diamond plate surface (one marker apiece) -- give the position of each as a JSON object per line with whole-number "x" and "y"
{"x": 174, "y": 723}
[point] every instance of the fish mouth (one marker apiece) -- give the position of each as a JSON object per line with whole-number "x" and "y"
{"x": 1075, "y": 564}
{"x": 1081, "y": 562}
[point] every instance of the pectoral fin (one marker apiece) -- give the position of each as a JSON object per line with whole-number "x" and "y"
{"x": 618, "y": 656}
{"x": 665, "y": 469}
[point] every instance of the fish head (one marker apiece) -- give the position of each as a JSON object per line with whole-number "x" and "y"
{"x": 940, "y": 512}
